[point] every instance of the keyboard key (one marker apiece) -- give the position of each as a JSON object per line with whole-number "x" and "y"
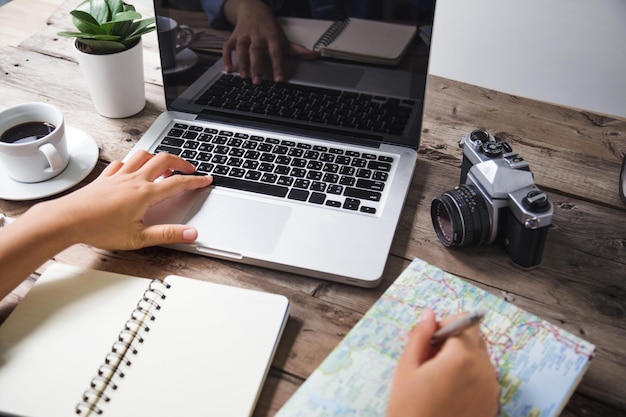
{"x": 349, "y": 181}
{"x": 205, "y": 167}
{"x": 234, "y": 162}
{"x": 318, "y": 186}
{"x": 219, "y": 159}
{"x": 189, "y": 144}
{"x": 281, "y": 169}
{"x": 187, "y": 154}
{"x": 203, "y": 156}
{"x": 330, "y": 178}
{"x": 255, "y": 187}
{"x": 380, "y": 176}
{"x": 298, "y": 194}
{"x": 370, "y": 185}
{"x": 297, "y": 152}
{"x": 302, "y": 183}
{"x": 351, "y": 204}
{"x": 314, "y": 175}
{"x": 170, "y": 141}
{"x": 298, "y": 172}
{"x": 335, "y": 189}
{"x": 270, "y": 178}
{"x": 363, "y": 173}
{"x": 176, "y": 132}
{"x": 190, "y": 135}
{"x": 285, "y": 180}
{"x": 206, "y": 147}
{"x": 379, "y": 166}
{"x": 221, "y": 170}
{"x": 317, "y": 198}
{"x": 168, "y": 149}
{"x": 266, "y": 167}
{"x": 362, "y": 194}
{"x": 237, "y": 172}
{"x": 311, "y": 154}
{"x": 248, "y": 164}
{"x": 253, "y": 175}
{"x": 236, "y": 152}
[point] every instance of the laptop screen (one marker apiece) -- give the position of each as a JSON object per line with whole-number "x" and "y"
{"x": 363, "y": 102}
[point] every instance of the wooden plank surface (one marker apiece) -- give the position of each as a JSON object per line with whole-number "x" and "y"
{"x": 32, "y": 16}
{"x": 575, "y": 156}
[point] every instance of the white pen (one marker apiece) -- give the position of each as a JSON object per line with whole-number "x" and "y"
{"x": 457, "y": 326}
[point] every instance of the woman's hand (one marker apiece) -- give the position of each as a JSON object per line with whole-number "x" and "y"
{"x": 108, "y": 213}
{"x": 455, "y": 379}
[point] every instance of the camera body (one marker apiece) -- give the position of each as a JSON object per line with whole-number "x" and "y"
{"x": 496, "y": 202}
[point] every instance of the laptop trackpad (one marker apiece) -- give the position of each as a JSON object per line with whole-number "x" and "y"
{"x": 230, "y": 223}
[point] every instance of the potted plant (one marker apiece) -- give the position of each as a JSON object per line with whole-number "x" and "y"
{"x": 110, "y": 53}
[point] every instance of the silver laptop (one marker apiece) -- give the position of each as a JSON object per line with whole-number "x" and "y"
{"x": 314, "y": 190}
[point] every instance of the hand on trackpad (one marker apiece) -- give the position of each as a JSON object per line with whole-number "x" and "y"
{"x": 235, "y": 224}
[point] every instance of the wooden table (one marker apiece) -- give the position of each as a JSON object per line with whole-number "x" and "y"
{"x": 575, "y": 156}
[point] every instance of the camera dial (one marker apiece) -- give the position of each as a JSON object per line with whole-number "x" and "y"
{"x": 536, "y": 201}
{"x": 488, "y": 144}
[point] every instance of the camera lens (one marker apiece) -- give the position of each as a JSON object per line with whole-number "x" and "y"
{"x": 460, "y": 217}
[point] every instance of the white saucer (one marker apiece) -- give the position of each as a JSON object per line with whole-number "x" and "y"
{"x": 185, "y": 59}
{"x": 83, "y": 152}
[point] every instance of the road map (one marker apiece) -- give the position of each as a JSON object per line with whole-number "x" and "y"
{"x": 539, "y": 364}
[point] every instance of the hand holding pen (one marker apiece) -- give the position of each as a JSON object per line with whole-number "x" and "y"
{"x": 455, "y": 378}
{"x": 457, "y": 326}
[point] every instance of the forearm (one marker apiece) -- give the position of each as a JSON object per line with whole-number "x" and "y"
{"x": 28, "y": 242}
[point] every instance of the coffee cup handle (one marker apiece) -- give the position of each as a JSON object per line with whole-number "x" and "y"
{"x": 54, "y": 158}
{"x": 185, "y": 36}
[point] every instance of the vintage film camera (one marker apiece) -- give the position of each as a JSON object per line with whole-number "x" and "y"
{"x": 497, "y": 201}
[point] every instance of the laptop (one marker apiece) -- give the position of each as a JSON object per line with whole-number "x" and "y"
{"x": 317, "y": 191}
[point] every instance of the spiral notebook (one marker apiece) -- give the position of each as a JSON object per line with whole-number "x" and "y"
{"x": 85, "y": 342}
{"x": 353, "y": 39}
{"x": 539, "y": 364}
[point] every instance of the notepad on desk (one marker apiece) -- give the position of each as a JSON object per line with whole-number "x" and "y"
{"x": 86, "y": 342}
{"x": 353, "y": 39}
{"x": 539, "y": 365}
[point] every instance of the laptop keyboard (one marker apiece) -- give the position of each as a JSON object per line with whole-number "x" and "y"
{"x": 330, "y": 176}
{"x": 331, "y": 107}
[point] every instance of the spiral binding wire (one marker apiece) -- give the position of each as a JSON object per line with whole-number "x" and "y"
{"x": 331, "y": 34}
{"x": 110, "y": 372}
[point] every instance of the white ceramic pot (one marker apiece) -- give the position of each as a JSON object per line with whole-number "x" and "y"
{"x": 115, "y": 81}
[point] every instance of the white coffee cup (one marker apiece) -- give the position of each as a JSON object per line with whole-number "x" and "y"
{"x": 33, "y": 143}
{"x": 173, "y": 38}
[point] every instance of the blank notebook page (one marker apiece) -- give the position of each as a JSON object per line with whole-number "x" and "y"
{"x": 206, "y": 352}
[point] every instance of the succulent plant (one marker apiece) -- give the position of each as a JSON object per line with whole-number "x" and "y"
{"x": 107, "y": 26}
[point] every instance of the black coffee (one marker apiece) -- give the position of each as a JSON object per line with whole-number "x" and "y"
{"x": 27, "y": 132}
